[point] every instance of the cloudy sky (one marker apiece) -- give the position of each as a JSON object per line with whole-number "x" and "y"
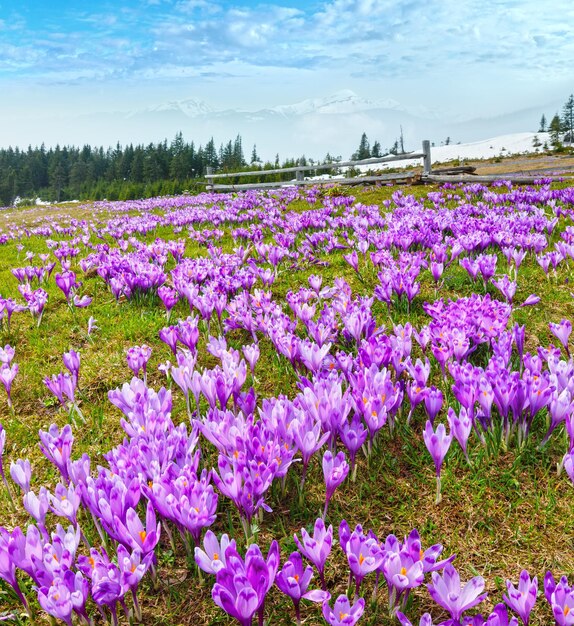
{"x": 456, "y": 57}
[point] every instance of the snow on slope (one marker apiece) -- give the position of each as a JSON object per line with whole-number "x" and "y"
{"x": 504, "y": 145}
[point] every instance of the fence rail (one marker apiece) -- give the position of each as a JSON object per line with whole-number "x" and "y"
{"x": 300, "y": 170}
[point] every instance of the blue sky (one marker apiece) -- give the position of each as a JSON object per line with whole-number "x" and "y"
{"x": 480, "y": 57}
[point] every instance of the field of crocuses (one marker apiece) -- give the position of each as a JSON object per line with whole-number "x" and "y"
{"x": 289, "y": 407}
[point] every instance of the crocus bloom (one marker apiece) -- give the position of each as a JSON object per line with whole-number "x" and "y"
{"x": 72, "y": 362}
{"x": 92, "y": 325}
{"x": 241, "y": 586}
{"x": 57, "y": 446}
{"x": 318, "y": 547}
{"x": 460, "y": 427}
{"x": 446, "y": 591}
{"x": 7, "y": 376}
{"x": 335, "y": 470}
{"x": 437, "y": 444}
{"x": 499, "y": 617}
{"x": 294, "y": 581}
{"x": 212, "y": 559}
{"x": 81, "y": 302}
{"x": 21, "y": 472}
{"x": 56, "y": 600}
{"x": 7, "y": 354}
{"x": 426, "y": 619}
{"x": 562, "y": 602}
{"x": 562, "y": 332}
{"x": 342, "y": 613}
{"x": 522, "y": 600}
{"x": 363, "y": 552}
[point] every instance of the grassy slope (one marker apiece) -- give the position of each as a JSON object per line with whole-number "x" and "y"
{"x": 501, "y": 515}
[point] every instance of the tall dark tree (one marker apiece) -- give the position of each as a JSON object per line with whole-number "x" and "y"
{"x": 568, "y": 119}
{"x": 555, "y": 129}
{"x": 364, "y": 149}
{"x": 543, "y": 124}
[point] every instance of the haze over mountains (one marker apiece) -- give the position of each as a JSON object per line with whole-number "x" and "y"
{"x": 312, "y": 127}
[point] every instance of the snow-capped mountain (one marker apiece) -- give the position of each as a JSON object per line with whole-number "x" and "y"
{"x": 313, "y": 127}
{"x": 341, "y": 102}
{"x": 190, "y": 108}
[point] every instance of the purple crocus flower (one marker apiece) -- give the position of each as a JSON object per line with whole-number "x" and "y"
{"x": 169, "y": 336}
{"x": 212, "y": 558}
{"x": 169, "y": 297}
{"x": 57, "y": 447}
{"x": 7, "y": 375}
{"x": 7, "y": 354}
{"x": 562, "y": 332}
{"x": 21, "y": 472}
{"x": 562, "y": 603}
{"x": 460, "y": 428}
{"x": 308, "y": 438}
{"x": 134, "y": 534}
{"x": 66, "y": 281}
{"x": 433, "y": 402}
{"x": 92, "y": 325}
{"x": 72, "y": 362}
{"x": 294, "y": 581}
{"x": 437, "y": 444}
{"x": 343, "y": 613}
{"x": 56, "y": 600}
{"x": 335, "y": 470}
{"x": 81, "y": 302}
{"x": 37, "y": 506}
{"x": 446, "y": 591}
{"x": 8, "y": 563}
{"x": 522, "y": 600}
{"x": 241, "y": 586}
{"x": 499, "y": 617}
{"x": 318, "y": 547}
{"x": 363, "y": 552}
{"x": 353, "y": 435}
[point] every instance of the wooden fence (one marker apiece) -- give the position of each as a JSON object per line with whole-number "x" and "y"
{"x": 299, "y": 172}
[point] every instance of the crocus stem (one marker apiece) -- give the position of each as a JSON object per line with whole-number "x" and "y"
{"x": 325, "y": 509}
{"x": 354, "y": 472}
{"x": 170, "y": 537}
{"x": 322, "y": 578}
{"x": 9, "y": 492}
{"x": 137, "y": 608}
{"x": 297, "y": 613}
{"x": 260, "y": 616}
{"x": 438, "y": 494}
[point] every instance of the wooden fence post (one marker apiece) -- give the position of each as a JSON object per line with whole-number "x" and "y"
{"x": 299, "y": 175}
{"x": 427, "y": 163}
{"x": 208, "y": 172}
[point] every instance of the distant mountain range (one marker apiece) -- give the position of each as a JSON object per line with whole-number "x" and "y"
{"x": 312, "y": 127}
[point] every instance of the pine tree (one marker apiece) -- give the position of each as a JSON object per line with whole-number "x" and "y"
{"x": 555, "y": 129}
{"x": 543, "y": 123}
{"x": 254, "y": 156}
{"x": 568, "y": 119}
{"x": 364, "y": 150}
{"x": 376, "y": 150}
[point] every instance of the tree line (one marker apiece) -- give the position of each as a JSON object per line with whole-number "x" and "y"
{"x": 139, "y": 171}
{"x": 561, "y": 126}
{"x": 119, "y": 173}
